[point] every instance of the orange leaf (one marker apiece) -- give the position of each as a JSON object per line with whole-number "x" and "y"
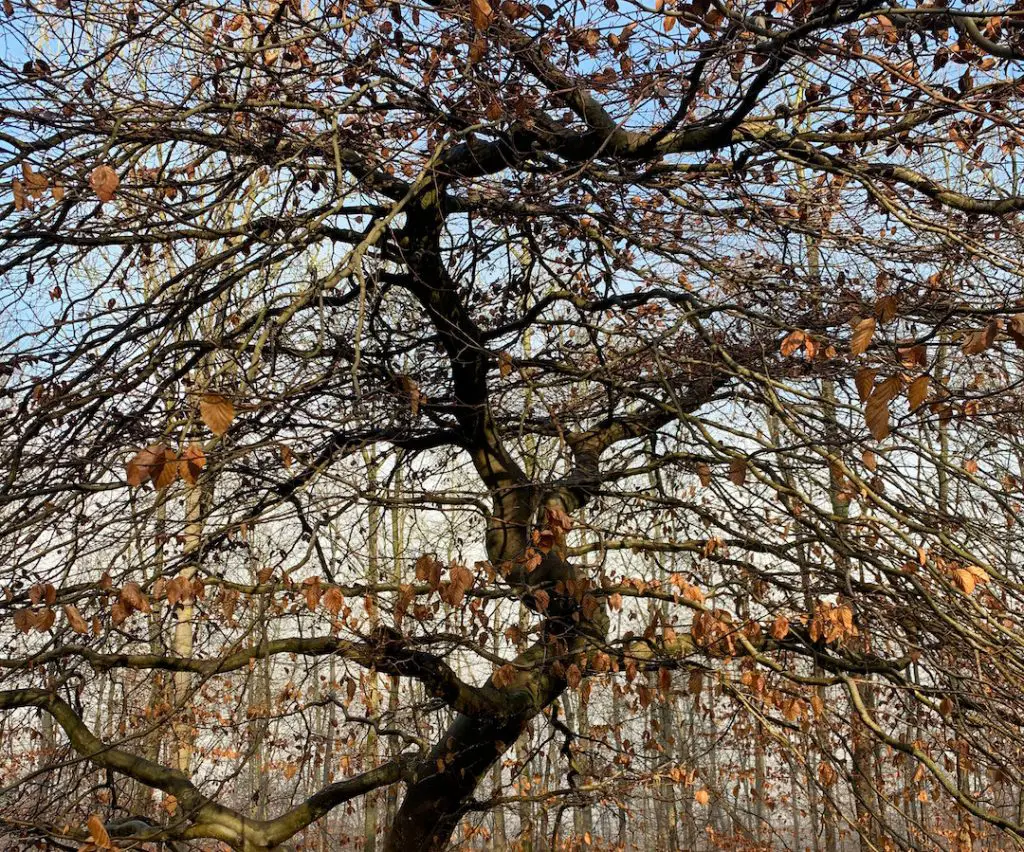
{"x": 964, "y": 580}
{"x": 887, "y": 390}
{"x": 885, "y": 308}
{"x": 104, "y": 182}
{"x": 44, "y": 619}
{"x": 74, "y": 617}
{"x": 980, "y": 340}
{"x": 792, "y": 341}
{"x": 150, "y": 465}
{"x": 1015, "y": 328}
{"x": 876, "y": 415}
{"x": 702, "y": 797}
{"x": 865, "y": 382}
{"x": 132, "y": 599}
{"x": 863, "y": 331}
{"x": 193, "y": 460}
{"x": 20, "y": 196}
{"x": 98, "y": 832}
{"x": 168, "y": 471}
{"x": 286, "y": 455}
{"x": 35, "y": 183}
{"x": 917, "y": 392}
{"x": 738, "y": 471}
{"x": 333, "y": 600}
{"x": 481, "y": 13}
{"x": 217, "y": 412}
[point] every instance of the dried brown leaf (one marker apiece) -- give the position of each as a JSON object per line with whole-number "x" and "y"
{"x": 481, "y": 13}
{"x": 192, "y": 462}
{"x": 217, "y": 412}
{"x": 98, "y": 832}
{"x": 74, "y": 617}
{"x": 104, "y": 182}
{"x": 865, "y": 382}
{"x": 917, "y": 392}
{"x": 863, "y": 331}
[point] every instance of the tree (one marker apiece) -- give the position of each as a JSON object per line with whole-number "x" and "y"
{"x": 389, "y": 381}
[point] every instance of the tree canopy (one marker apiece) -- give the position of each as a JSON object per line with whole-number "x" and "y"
{"x": 508, "y": 425}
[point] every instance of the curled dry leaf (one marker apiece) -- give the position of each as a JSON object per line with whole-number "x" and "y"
{"x": 74, "y": 617}
{"x": 286, "y": 455}
{"x": 917, "y": 392}
{"x": 791, "y": 343}
{"x": 428, "y": 570}
{"x": 133, "y": 600}
{"x": 38, "y": 619}
{"x": 408, "y": 386}
{"x": 104, "y": 182}
{"x": 780, "y": 627}
{"x": 738, "y": 471}
{"x": 863, "y": 331}
{"x": 978, "y": 341}
{"x": 312, "y": 592}
{"x": 98, "y": 832}
{"x": 192, "y": 462}
{"x": 865, "y": 382}
{"x": 157, "y": 464}
{"x": 1015, "y": 328}
{"x": 885, "y": 308}
{"x": 877, "y": 418}
{"x": 35, "y": 183}
{"x": 704, "y": 474}
{"x": 20, "y": 195}
{"x": 217, "y": 412}
{"x": 481, "y": 13}
{"x": 333, "y": 600}
{"x": 913, "y": 356}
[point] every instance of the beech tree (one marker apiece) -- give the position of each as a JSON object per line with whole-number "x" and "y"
{"x": 557, "y": 425}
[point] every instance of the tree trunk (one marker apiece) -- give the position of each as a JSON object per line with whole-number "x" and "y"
{"x": 435, "y": 801}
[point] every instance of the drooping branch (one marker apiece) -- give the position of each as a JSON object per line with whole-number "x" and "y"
{"x": 206, "y": 818}
{"x": 386, "y": 653}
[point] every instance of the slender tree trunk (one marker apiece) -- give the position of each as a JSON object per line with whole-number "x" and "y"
{"x": 397, "y": 555}
{"x": 370, "y": 757}
{"x": 184, "y": 634}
